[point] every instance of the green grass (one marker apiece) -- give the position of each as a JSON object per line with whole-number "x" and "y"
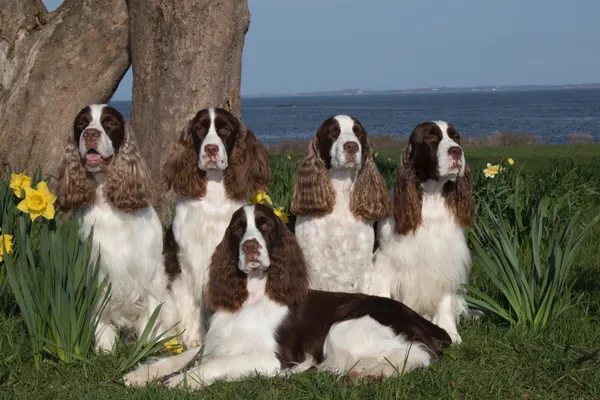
{"x": 494, "y": 361}
{"x": 536, "y": 157}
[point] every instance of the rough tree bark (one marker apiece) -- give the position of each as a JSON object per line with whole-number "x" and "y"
{"x": 186, "y": 55}
{"x": 52, "y": 65}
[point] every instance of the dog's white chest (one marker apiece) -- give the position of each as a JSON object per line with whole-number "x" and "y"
{"x": 199, "y": 226}
{"x": 338, "y": 248}
{"x": 130, "y": 248}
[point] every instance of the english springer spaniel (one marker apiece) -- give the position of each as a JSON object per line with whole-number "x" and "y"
{"x": 267, "y": 320}
{"x": 423, "y": 257}
{"x": 103, "y": 174}
{"x": 213, "y": 167}
{"x": 338, "y": 195}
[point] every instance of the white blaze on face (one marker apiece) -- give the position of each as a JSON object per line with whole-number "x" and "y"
{"x": 253, "y": 233}
{"x": 447, "y": 165}
{"x": 339, "y": 156}
{"x": 104, "y": 148}
{"x": 207, "y": 160}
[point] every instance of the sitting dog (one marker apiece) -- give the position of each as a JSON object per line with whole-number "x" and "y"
{"x": 213, "y": 167}
{"x": 103, "y": 174}
{"x": 423, "y": 257}
{"x": 338, "y": 195}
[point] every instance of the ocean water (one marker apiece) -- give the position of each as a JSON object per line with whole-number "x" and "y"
{"x": 548, "y": 114}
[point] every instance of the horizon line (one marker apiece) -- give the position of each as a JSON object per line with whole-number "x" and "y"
{"x": 407, "y": 90}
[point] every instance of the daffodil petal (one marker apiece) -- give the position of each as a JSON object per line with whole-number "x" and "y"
{"x": 42, "y": 186}
{"x": 279, "y": 212}
{"x": 50, "y": 198}
{"x": 49, "y": 212}
{"x": 22, "y": 206}
{"x": 28, "y": 190}
{"x": 34, "y": 216}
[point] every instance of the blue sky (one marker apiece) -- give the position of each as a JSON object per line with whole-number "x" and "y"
{"x": 311, "y": 45}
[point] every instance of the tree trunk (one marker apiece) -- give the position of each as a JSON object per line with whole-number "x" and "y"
{"x": 51, "y": 66}
{"x": 186, "y": 55}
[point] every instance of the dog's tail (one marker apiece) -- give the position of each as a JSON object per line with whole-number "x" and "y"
{"x": 161, "y": 367}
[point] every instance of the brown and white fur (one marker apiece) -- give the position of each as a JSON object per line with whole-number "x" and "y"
{"x": 213, "y": 167}
{"x": 423, "y": 258}
{"x": 103, "y": 174}
{"x": 338, "y": 195}
{"x": 268, "y": 321}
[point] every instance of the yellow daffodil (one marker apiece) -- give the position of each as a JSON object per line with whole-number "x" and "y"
{"x": 5, "y": 241}
{"x": 18, "y": 183}
{"x": 261, "y": 198}
{"x": 279, "y": 212}
{"x": 491, "y": 171}
{"x": 38, "y": 201}
{"x": 375, "y": 155}
{"x": 510, "y": 161}
{"x": 289, "y": 157}
{"x": 173, "y": 346}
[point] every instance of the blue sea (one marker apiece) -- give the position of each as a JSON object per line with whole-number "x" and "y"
{"x": 548, "y": 114}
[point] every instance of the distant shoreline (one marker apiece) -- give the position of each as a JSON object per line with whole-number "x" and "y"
{"x": 468, "y": 89}
{"x": 441, "y": 89}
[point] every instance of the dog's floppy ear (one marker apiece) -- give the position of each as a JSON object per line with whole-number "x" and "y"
{"x": 249, "y": 171}
{"x": 408, "y": 196}
{"x": 180, "y": 172}
{"x": 226, "y": 289}
{"x": 371, "y": 199}
{"x": 128, "y": 185}
{"x": 74, "y": 188}
{"x": 288, "y": 280}
{"x": 313, "y": 191}
{"x": 459, "y": 198}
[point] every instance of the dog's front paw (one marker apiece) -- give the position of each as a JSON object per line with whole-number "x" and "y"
{"x": 137, "y": 378}
{"x": 455, "y": 337}
{"x": 476, "y": 314}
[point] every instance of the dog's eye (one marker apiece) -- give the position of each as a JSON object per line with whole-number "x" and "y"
{"x": 430, "y": 138}
{"x": 224, "y": 132}
{"x": 238, "y": 230}
{"x": 111, "y": 123}
{"x": 200, "y": 131}
{"x": 83, "y": 123}
{"x": 265, "y": 226}
{"x": 334, "y": 134}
